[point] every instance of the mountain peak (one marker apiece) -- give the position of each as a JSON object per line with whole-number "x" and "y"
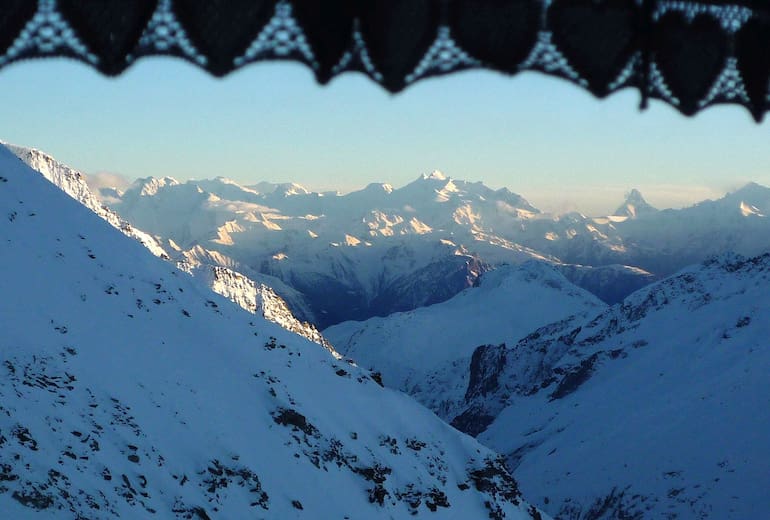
{"x": 225, "y": 180}
{"x": 634, "y": 206}
{"x": 751, "y": 190}
{"x": 292, "y": 188}
{"x": 435, "y": 175}
{"x": 750, "y": 199}
{"x": 378, "y": 187}
{"x": 752, "y": 186}
{"x": 149, "y": 186}
{"x": 286, "y": 189}
{"x": 634, "y": 196}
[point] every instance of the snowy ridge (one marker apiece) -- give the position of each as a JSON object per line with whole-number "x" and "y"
{"x": 130, "y": 391}
{"x": 653, "y": 408}
{"x": 197, "y": 255}
{"x": 255, "y": 298}
{"x": 227, "y": 282}
{"x": 73, "y": 183}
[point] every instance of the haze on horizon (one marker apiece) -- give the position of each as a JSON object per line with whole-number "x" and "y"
{"x": 543, "y": 138}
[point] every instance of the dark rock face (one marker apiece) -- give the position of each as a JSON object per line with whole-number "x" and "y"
{"x": 286, "y": 417}
{"x": 494, "y": 479}
{"x": 473, "y": 421}
{"x": 573, "y": 379}
{"x": 487, "y": 363}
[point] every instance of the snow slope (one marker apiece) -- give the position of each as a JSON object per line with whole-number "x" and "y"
{"x": 655, "y": 408}
{"x": 73, "y": 183}
{"x": 129, "y": 390}
{"x": 634, "y": 206}
{"x": 426, "y": 352}
{"x": 211, "y": 272}
{"x": 256, "y": 298}
{"x": 197, "y": 256}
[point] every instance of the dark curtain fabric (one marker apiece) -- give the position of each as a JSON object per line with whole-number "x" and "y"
{"x": 689, "y": 54}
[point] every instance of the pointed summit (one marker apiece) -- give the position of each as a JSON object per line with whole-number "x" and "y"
{"x": 634, "y": 206}
{"x": 435, "y": 175}
{"x": 378, "y": 187}
{"x": 149, "y": 186}
{"x": 288, "y": 189}
{"x": 752, "y": 193}
{"x": 751, "y": 199}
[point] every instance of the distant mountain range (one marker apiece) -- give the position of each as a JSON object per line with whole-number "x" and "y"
{"x": 371, "y": 252}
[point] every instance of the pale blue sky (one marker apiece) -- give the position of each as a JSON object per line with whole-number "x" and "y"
{"x": 541, "y": 137}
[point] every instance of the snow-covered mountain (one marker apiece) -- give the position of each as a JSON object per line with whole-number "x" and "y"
{"x": 209, "y": 268}
{"x": 370, "y": 252}
{"x": 666, "y": 241}
{"x": 427, "y": 352}
{"x": 73, "y": 183}
{"x": 256, "y": 298}
{"x": 654, "y": 408}
{"x": 129, "y": 390}
{"x": 634, "y": 206}
{"x": 382, "y": 249}
{"x": 199, "y": 256}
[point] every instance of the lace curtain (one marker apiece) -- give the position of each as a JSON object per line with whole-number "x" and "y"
{"x": 690, "y": 54}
